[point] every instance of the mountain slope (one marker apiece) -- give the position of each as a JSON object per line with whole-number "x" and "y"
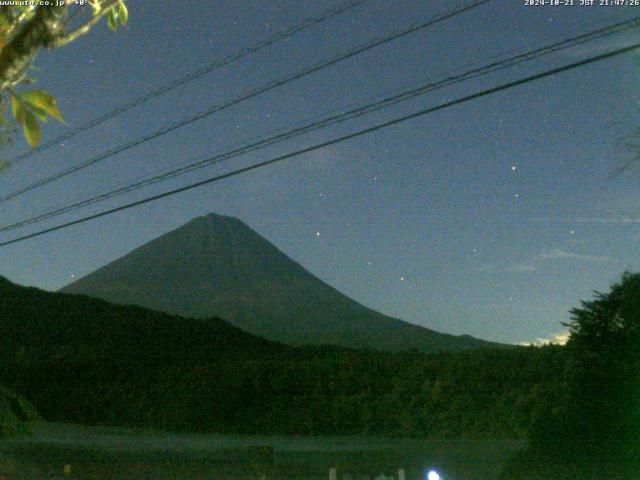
{"x": 218, "y": 266}
{"x": 39, "y": 324}
{"x": 82, "y": 360}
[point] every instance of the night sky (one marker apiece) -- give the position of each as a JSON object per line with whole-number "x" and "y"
{"x": 492, "y": 218}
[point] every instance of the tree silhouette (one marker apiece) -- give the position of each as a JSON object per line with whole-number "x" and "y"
{"x": 594, "y": 432}
{"x": 604, "y": 347}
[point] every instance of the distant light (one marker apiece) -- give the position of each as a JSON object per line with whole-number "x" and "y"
{"x": 513, "y": 167}
{"x": 317, "y": 234}
{"x": 433, "y": 475}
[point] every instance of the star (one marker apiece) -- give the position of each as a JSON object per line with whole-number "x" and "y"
{"x": 572, "y": 232}
{"x": 513, "y": 168}
{"x": 317, "y": 234}
{"x": 402, "y": 279}
{"x": 517, "y": 195}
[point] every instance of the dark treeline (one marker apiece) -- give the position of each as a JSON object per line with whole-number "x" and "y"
{"x": 593, "y": 432}
{"x": 83, "y": 360}
{"x": 490, "y": 394}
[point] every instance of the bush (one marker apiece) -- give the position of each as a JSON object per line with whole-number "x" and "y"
{"x": 16, "y": 414}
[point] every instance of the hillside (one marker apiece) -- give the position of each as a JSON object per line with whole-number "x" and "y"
{"x": 218, "y": 266}
{"x": 72, "y": 355}
{"x": 83, "y": 360}
{"x": 36, "y": 322}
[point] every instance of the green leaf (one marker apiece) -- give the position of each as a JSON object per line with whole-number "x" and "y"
{"x": 112, "y": 19}
{"x": 43, "y": 103}
{"x": 31, "y": 128}
{"x": 17, "y": 109}
{"x": 41, "y": 114}
{"x": 5, "y": 22}
{"x": 123, "y": 13}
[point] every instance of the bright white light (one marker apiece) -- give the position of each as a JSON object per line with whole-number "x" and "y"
{"x": 433, "y": 475}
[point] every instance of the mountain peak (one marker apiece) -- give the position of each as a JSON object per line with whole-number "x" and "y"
{"x": 216, "y": 265}
{"x": 215, "y": 218}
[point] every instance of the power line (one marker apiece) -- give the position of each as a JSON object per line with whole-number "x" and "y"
{"x": 278, "y": 36}
{"x": 333, "y": 119}
{"x": 260, "y": 90}
{"x": 334, "y": 141}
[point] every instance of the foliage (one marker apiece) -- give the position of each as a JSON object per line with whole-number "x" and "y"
{"x": 83, "y": 360}
{"x": 24, "y": 30}
{"x": 30, "y": 106}
{"x": 597, "y": 426}
{"x": 16, "y": 414}
{"x": 604, "y": 408}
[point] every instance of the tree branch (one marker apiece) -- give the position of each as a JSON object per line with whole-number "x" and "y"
{"x": 85, "y": 27}
{"x": 40, "y": 31}
{"x": 18, "y": 20}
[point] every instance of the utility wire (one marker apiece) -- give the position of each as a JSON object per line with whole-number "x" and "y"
{"x": 281, "y": 35}
{"x": 260, "y": 90}
{"x": 379, "y": 126}
{"x": 331, "y": 120}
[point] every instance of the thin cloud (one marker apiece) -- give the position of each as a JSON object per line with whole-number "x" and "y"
{"x": 554, "y": 254}
{"x": 523, "y": 268}
{"x": 534, "y": 264}
{"x": 519, "y": 268}
{"x": 615, "y": 220}
{"x": 559, "y": 254}
{"x": 618, "y": 219}
{"x": 553, "y": 339}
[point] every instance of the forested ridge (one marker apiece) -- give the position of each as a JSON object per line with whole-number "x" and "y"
{"x": 83, "y": 360}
